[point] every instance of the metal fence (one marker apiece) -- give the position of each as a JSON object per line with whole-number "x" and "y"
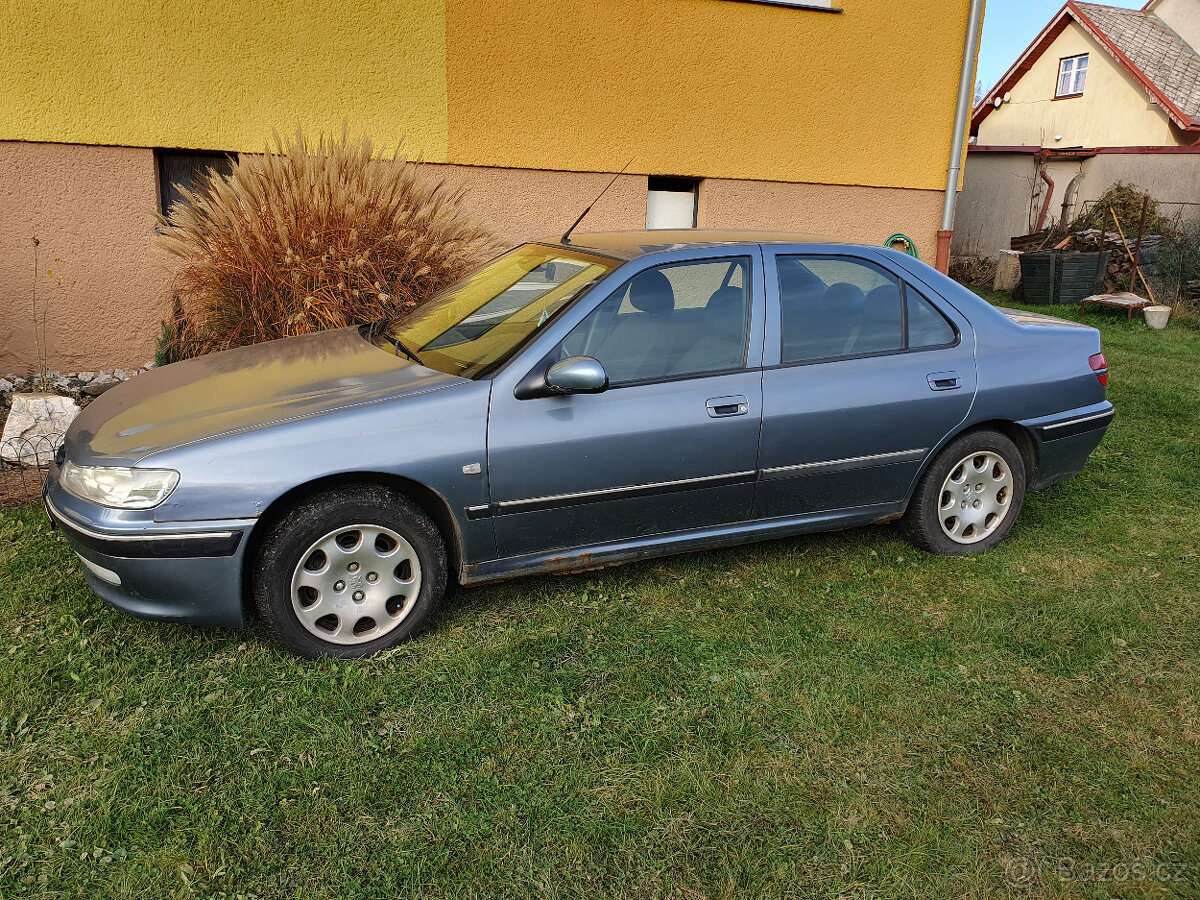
{"x": 23, "y": 465}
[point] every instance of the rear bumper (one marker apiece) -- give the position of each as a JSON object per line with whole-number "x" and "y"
{"x": 185, "y": 572}
{"x": 1065, "y": 441}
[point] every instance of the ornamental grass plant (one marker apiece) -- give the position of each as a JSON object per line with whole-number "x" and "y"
{"x": 307, "y": 236}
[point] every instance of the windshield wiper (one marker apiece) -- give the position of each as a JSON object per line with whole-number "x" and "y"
{"x": 377, "y": 330}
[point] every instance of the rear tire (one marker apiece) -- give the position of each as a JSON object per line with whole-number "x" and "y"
{"x": 969, "y": 498}
{"x": 349, "y": 573}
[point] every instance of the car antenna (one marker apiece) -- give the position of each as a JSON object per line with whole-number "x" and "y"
{"x": 566, "y": 238}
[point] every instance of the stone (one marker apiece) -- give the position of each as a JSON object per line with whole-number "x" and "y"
{"x": 6, "y": 386}
{"x": 35, "y": 426}
{"x": 148, "y": 366}
{"x": 99, "y": 386}
{"x": 120, "y": 375}
{"x": 1008, "y": 271}
{"x": 86, "y": 376}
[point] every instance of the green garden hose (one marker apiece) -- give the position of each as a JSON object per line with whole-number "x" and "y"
{"x": 910, "y": 246}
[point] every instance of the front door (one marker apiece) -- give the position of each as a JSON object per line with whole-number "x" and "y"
{"x": 672, "y": 444}
{"x": 872, "y": 375}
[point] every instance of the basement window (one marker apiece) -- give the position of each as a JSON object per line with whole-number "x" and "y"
{"x": 1072, "y": 72}
{"x": 180, "y": 170}
{"x": 671, "y": 202}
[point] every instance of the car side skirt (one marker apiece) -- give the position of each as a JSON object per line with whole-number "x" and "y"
{"x": 579, "y": 559}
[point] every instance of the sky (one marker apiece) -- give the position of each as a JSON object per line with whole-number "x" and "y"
{"x": 1009, "y": 26}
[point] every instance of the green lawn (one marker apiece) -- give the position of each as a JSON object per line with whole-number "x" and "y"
{"x": 835, "y": 715}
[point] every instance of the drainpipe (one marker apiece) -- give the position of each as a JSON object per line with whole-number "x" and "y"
{"x": 965, "y": 95}
{"x": 1069, "y": 199}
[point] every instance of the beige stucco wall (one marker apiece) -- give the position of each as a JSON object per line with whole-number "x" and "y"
{"x": 996, "y": 199}
{"x": 862, "y": 214}
{"x": 92, "y": 209}
{"x": 1182, "y": 16}
{"x": 1113, "y": 111}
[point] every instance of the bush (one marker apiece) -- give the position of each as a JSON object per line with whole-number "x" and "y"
{"x": 311, "y": 236}
{"x": 1126, "y": 200}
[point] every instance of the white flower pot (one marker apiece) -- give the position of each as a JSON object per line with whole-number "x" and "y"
{"x": 1156, "y": 316}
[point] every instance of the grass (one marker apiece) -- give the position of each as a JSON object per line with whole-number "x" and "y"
{"x": 839, "y": 715}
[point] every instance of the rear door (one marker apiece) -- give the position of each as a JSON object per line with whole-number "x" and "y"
{"x": 671, "y": 445}
{"x": 864, "y": 374}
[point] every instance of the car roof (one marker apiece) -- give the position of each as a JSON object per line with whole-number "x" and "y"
{"x": 632, "y": 244}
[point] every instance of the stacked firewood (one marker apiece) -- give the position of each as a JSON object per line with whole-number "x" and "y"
{"x": 1119, "y": 272}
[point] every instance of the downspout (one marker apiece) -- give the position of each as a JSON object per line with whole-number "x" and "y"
{"x": 965, "y": 96}
{"x": 1069, "y": 199}
{"x": 1040, "y": 162}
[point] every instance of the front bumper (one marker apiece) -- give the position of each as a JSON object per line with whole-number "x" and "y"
{"x": 179, "y": 572}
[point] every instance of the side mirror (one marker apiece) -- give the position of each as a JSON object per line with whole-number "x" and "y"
{"x": 577, "y": 375}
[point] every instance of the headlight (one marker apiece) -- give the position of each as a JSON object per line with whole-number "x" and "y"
{"x": 119, "y": 487}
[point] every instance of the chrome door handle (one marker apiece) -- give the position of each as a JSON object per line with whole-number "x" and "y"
{"x": 944, "y": 381}
{"x": 722, "y": 407}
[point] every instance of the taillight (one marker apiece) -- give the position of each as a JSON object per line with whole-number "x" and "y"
{"x": 1100, "y": 366}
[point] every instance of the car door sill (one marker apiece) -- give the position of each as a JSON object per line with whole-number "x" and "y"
{"x": 572, "y": 559}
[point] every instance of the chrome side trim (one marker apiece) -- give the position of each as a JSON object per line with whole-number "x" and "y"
{"x": 1100, "y": 415}
{"x": 629, "y": 492}
{"x": 849, "y": 462}
{"x": 73, "y": 521}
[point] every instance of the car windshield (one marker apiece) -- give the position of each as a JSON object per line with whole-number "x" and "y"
{"x": 477, "y": 323}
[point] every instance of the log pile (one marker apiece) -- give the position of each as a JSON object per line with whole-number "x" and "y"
{"x": 1120, "y": 262}
{"x": 1118, "y": 274}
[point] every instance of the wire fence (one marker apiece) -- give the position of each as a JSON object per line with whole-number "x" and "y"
{"x": 23, "y": 465}
{"x": 1170, "y": 259}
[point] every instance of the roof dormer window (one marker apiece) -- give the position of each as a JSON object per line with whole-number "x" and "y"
{"x": 1072, "y": 72}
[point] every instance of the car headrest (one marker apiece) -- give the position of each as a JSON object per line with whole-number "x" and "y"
{"x": 727, "y": 301}
{"x": 884, "y": 294}
{"x": 651, "y": 292}
{"x": 844, "y": 294}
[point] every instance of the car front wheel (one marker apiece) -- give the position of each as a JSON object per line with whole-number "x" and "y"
{"x": 350, "y": 573}
{"x": 969, "y": 498}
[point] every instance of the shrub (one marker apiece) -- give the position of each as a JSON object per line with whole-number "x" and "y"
{"x": 310, "y": 236}
{"x": 1126, "y": 200}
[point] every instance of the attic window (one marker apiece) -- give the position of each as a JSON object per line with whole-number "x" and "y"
{"x": 1072, "y": 72}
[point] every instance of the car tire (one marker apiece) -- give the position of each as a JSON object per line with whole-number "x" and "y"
{"x": 349, "y": 573}
{"x": 969, "y": 498}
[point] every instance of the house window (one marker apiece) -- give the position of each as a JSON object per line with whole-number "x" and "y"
{"x": 671, "y": 203}
{"x": 180, "y": 170}
{"x": 1072, "y": 72}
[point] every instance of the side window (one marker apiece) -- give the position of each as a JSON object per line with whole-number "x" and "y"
{"x": 926, "y": 326}
{"x": 685, "y": 319}
{"x": 835, "y": 306}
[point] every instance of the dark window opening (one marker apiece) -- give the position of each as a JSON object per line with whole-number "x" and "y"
{"x": 180, "y": 170}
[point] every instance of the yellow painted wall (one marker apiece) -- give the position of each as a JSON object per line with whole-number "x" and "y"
{"x": 708, "y": 88}
{"x": 1114, "y": 110}
{"x": 220, "y": 74}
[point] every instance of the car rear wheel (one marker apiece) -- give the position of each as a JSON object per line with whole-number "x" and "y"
{"x": 969, "y": 498}
{"x": 350, "y": 573}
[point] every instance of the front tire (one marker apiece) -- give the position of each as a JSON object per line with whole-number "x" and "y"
{"x": 969, "y": 498}
{"x": 350, "y": 573}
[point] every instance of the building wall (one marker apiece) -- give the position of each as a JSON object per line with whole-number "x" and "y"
{"x": 704, "y": 88}
{"x": 996, "y": 200}
{"x": 221, "y": 74}
{"x": 100, "y": 285}
{"x": 1114, "y": 110}
{"x": 93, "y": 210}
{"x": 708, "y": 88}
{"x": 1181, "y": 16}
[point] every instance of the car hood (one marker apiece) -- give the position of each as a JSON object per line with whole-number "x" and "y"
{"x": 1021, "y": 317}
{"x": 238, "y": 390}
